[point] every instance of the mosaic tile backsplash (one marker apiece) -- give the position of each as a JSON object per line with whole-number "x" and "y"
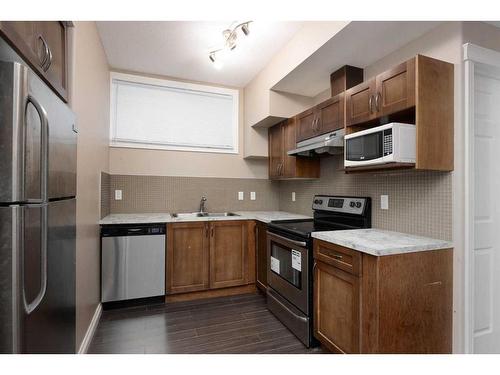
{"x": 105, "y": 194}
{"x": 419, "y": 202}
{"x": 183, "y": 194}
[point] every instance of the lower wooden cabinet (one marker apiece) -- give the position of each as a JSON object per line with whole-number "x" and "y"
{"x": 388, "y": 304}
{"x": 228, "y": 254}
{"x": 336, "y": 308}
{"x": 209, "y": 255}
{"x": 187, "y": 257}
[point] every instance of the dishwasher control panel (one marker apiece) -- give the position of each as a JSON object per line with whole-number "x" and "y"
{"x": 132, "y": 230}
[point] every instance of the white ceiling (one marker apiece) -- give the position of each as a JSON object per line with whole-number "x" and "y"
{"x": 360, "y": 43}
{"x": 180, "y": 48}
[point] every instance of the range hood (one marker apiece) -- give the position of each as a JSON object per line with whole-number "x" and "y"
{"x": 331, "y": 143}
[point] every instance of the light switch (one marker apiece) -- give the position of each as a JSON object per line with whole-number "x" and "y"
{"x": 241, "y": 196}
{"x": 118, "y": 195}
{"x": 293, "y": 196}
{"x": 384, "y": 202}
{"x": 252, "y": 195}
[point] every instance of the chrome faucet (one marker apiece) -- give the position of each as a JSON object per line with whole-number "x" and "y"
{"x": 202, "y": 204}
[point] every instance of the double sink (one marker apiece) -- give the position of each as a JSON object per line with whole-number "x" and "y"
{"x": 188, "y": 215}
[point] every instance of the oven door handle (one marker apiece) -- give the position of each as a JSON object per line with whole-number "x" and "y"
{"x": 287, "y": 309}
{"x": 297, "y": 243}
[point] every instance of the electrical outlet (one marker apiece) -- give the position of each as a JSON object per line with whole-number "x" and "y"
{"x": 252, "y": 195}
{"x": 118, "y": 195}
{"x": 293, "y": 196}
{"x": 241, "y": 195}
{"x": 384, "y": 202}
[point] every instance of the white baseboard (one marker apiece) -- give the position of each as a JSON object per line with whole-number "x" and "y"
{"x": 90, "y": 331}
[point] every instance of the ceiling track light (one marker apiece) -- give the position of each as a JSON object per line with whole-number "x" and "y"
{"x": 230, "y": 39}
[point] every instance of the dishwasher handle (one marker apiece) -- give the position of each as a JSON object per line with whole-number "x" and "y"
{"x": 121, "y": 230}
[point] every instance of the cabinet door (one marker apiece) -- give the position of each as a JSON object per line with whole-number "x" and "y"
{"x": 306, "y": 124}
{"x": 43, "y": 45}
{"x": 228, "y": 253}
{"x": 187, "y": 257}
{"x": 261, "y": 253}
{"x": 396, "y": 89}
{"x": 360, "y": 106}
{"x": 54, "y": 34}
{"x": 289, "y": 143}
{"x": 22, "y": 34}
{"x": 331, "y": 114}
{"x": 275, "y": 151}
{"x": 336, "y": 308}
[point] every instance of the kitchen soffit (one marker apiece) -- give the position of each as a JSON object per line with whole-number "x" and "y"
{"x": 180, "y": 48}
{"x": 360, "y": 43}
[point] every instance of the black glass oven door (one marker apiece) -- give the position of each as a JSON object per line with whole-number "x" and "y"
{"x": 288, "y": 270}
{"x": 365, "y": 147}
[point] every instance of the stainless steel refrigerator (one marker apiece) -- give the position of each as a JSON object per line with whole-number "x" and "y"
{"x": 37, "y": 213}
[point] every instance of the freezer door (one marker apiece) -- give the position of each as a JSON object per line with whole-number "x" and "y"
{"x": 62, "y": 139}
{"x": 24, "y": 132}
{"x": 10, "y": 281}
{"x": 37, "y": 139}
{"x": 50, "y": 328}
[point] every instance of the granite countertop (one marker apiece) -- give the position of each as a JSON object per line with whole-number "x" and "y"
{"x": 145, "y": 218}
{"x": 381, "y": 242}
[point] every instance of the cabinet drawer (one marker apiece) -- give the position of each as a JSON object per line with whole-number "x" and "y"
{"x": 338, "y": 256}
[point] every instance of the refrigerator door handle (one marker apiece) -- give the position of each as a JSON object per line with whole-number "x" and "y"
{"x": 44, "y": 157}
{"x": 31, "y": 306}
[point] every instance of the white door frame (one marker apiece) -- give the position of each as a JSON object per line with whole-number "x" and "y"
{"x": 473, "y": 55}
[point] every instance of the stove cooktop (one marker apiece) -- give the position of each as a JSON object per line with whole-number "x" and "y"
{"x": 303, "y": 228}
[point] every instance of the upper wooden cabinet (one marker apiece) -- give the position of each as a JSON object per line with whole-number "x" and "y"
{"x": 419, "y": 91}
{"x": 282, "y": 138}
{"x": 323, "y": 118}
{"x": 386, "y": 94}
{"x": 359, "y": 103}
{"x": 43, "y": 44}
{"x": 396, "y": 89}
{"x": 390, "y": 304}
{"x": 209, "y": 255}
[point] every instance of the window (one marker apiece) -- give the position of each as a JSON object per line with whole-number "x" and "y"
{"x": 161, "y": 114}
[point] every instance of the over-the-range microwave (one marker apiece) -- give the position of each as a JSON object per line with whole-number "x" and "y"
{"x": 390, "y": 143}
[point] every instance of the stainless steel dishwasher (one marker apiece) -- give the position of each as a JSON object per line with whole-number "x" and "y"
{"x": 132, "y": 261}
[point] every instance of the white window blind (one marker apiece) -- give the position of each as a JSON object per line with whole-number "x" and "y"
{"x": 151, "y": 113}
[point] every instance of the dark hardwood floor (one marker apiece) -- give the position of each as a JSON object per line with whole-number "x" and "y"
{"x": 236, "y": 324}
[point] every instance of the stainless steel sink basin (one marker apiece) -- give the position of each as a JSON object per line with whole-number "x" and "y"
{"x": 186, "y": 215}
{"x": 190, "y": 215}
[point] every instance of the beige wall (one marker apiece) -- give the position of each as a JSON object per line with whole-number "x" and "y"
{"x": 135, "y": 161}
{"x": 261, "y": 102}
{"x": 90, "y": 101}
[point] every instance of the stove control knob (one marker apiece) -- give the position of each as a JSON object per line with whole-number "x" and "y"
{"x": 318, "y": 201}
{"x": 352, "y": 204}
{"x": 358, "y": 204}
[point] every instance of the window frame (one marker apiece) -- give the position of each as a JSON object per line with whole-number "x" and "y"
{"x": 139, "y": 79}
